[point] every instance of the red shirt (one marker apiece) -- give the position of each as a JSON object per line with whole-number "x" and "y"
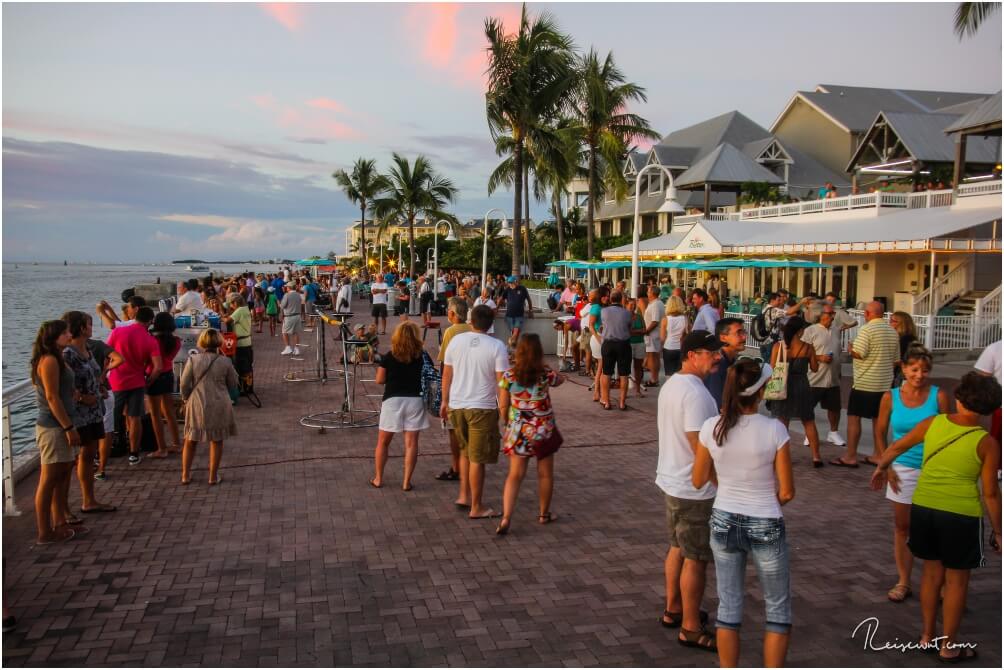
{"x": 137, "y": 348}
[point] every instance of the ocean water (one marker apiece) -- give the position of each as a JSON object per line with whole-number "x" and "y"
{"x": 33, "y": 293}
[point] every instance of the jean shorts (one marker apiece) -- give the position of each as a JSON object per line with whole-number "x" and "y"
{"x": 514, "y": 322}
{"x": 736, "y": 537}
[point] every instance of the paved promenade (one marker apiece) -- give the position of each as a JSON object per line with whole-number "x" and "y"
{"x": 295, "y": 561}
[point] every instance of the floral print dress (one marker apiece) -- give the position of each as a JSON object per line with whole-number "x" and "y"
{"x": 531, "y": 418}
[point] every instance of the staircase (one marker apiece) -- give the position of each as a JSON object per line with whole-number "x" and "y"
{"x": 965, "y": 304}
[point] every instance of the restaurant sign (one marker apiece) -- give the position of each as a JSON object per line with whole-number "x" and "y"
{"x": 699, "y": 241}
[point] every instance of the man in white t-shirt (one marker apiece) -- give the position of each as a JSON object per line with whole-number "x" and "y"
{"x": 654, "y": 313}
{"x": 188, "y": 299}
{"x": 378, "y": 290}
{"x": 486, "y": 299}
{"x": 684, "y": 405}
{"x": 824, "y": 383}
{"x": 989, "y": 364}
{"x": 472, "y": 368}
{"x": 343, "y": 301}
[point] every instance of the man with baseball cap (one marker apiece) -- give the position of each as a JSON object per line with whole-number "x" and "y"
{"x": 516, "y": 299}
{"x": 684, "y": 405}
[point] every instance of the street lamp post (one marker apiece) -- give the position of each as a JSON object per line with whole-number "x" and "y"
{"x": 484, "y": 251}
{"x": 450, "y": 237}
{"x": 669, "y": 205}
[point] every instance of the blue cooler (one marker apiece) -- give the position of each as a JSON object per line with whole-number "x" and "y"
{"x": 214, "y": 322}
{"x": 183, "y": 321}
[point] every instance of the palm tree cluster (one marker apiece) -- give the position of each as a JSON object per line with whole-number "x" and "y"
{"x": 407, "y": 191}
{"x": 558, "y": 114}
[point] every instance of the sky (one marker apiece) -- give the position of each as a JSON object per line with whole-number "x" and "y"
{"x": 151, "y": 132}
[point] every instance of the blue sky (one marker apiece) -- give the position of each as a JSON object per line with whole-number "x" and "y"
{"x": 145, "y": 132}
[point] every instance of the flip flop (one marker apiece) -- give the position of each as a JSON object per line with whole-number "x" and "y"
{"x": 487, "y": 515}
{"x": 100, "y": 509}
{"x": 840, "y": 464}
{"x": 450, "y": 475}
{"x": 869, "y": 461}
{"x": 545, "y": 519}
{"x": 376, "y": 486}
{"x": 461, "y": 505}
{"x": 219, "y": 478}
{"x": 67, "y": 538}
{"x": 964, "y": 656}
{"x": 407, "y": 488}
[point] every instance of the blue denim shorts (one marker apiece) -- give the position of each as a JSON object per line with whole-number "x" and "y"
{"x": 736, "y": 537}
{"x": 514, "y": 322}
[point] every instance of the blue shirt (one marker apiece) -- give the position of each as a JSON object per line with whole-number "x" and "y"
{"x": 310, "y": 291}
{"x": 715, "y": 382}
{"x": 706, "y": 319}
{"x": 515, "y": 301}
{"x": 903, "y": 419}
{"x": 278, "y": 283}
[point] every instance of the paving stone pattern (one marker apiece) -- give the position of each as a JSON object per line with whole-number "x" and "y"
{"x": 295, "y": 561}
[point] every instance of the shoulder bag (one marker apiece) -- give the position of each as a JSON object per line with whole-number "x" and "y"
{"x": 777, "y": 386}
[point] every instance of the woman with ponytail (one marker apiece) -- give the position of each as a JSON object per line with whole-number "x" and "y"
{"x": 750, "y": 454}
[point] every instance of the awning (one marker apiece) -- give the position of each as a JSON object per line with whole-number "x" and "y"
{"x": 314, "y": 261}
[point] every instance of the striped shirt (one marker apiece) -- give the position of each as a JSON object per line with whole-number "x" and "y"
{"x": 877, "y": 344}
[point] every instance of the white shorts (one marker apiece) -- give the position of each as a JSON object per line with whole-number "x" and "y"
{"x": 907, "y": 484}
{"x": 594, "y": 347}
{"x": 638, "y": 350}
{"x": 398, "y": 415}
{"x": 653, "y": 344}
{"x": 292, "y": 325}
{"x": 110, "y": 412}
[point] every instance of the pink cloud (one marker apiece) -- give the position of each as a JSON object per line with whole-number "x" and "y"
{"x": 328, "y": 104}
{"x": 440, "y": 33}
{"x": 290, "y": 15}
{"x": 265, "y": 101}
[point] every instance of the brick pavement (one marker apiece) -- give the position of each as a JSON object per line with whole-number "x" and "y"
{"x": 294, "y": 561}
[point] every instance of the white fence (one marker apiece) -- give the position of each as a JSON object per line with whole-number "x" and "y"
{"x": 11, "y": 395}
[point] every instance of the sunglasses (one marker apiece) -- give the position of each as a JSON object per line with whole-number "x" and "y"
{"x": 749, "y": 357}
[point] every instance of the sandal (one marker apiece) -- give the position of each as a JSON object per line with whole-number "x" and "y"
{"x": 450, "y": 475}
{"x": 72, "y": 519}
{"x": 899, "y": 593}
{"x": 676, "y": 618}
{"x": 698, "y": 639}
{"x": 545, "y": 519}
{"x": 868, "y": 461}
{"x": 219, "y": 478}
{"x": 839, "y": 462}
{"x": 965, "y": 655}
{"x": 503, "y": 528}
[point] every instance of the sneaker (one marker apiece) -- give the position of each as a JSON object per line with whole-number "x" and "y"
{"x": 296, "y": 351}
{"x": 833, "y": 437}
{"x": 286, "y": 352}
{"x": 9, "y": 624}
{"x": 134, "y": 459}
{"x": 100, "y": 476}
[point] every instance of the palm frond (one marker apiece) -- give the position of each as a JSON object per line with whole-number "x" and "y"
{"x": 969, "y": 16}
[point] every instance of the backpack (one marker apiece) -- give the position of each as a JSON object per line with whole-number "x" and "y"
{"x": 552, "y": 302}
{"x": 760, "y": 329}
{"x": 432, "y": 385}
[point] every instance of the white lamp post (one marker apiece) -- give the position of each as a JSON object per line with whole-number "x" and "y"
{"x": 506, "y": 230}
{"x": 450, "y": 237}
{"x": 669, "y": 206}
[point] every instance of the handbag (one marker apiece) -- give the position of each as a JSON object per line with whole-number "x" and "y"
{"x": 431, "y": 385}
{"x": 777, "y": 385}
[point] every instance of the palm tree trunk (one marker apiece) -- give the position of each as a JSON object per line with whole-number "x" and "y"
{"x": 517, "y": 222}
{"x": 589, "y": 203}
{"x": 411, "y": 244}
{"x": 556, "y": 198}
{"x": 362, "y": 235}
{"x": 527, "y": 251}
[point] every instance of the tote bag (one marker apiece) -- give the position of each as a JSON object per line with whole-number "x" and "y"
{"x": 777, "y": 386}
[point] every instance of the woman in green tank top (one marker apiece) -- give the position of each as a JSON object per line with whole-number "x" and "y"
{"x": 946, "y": 516}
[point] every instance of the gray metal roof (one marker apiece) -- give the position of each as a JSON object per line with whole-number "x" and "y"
{"x": 985, "y": 114}
{"x": 650, "y": 203}
{"x": 755, "y": 148}
{"x": 855, "y": 107}
{"x": 732, "y": 127}
{"x": 638, "y": 159}
{"x": 674, "y": 156}
{"x": 660, "y": 243}
{"x": 924, "y": 137}
{"x": 726, "y": 165}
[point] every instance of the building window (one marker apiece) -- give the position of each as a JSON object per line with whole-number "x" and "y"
{"x": 655, "y": 183}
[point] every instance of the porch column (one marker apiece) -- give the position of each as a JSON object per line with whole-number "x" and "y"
{"x": 960, "y": 162}
{"x": 854, "y": 182}
{"x": 819, "y": 277}
{"x": 707, "y": 200}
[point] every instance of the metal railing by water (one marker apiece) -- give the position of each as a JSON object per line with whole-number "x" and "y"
{"x": 11, "y": 395}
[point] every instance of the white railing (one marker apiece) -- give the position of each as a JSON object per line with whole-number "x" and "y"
{"x": 979, "y": 188}
{"x": 11, "y": 395}
{"x": 945, "y": 289}
{"x": 929, "y": 199}
{"x": 538, "y": 298}
{"x": 990, "y": 304}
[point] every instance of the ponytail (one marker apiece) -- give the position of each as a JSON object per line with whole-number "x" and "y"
{"x": 744, "y": 374}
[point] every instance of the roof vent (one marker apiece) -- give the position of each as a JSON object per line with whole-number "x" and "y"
{"x": 841, "y": 94}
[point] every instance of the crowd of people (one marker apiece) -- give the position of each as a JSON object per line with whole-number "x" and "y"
{"x": 724, "y": 410}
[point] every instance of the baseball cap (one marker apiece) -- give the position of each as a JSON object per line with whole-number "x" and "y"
{"x": 271, "y": 289}
{"x": 512, "y": 278}
{"x": 700, "y": 339}
{"x": 765, "y": 373}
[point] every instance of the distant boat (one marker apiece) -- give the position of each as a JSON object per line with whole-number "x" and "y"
{"x": 197, "y": 268}
{"x": 64, "y": 263}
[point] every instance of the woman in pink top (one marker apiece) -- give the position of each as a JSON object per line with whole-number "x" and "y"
{"x": 158, "y": 395}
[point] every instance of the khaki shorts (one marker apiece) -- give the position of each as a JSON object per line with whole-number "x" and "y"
{"x": 477, "y": 431}
{"x": 584, "y": 338}
{"x": 687, "y": 522}
{"x": 53, "y": 447}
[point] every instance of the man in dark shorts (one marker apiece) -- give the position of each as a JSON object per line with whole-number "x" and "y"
{"x": 824, "y": 383}
{"x": 616, "y": 349}
{"x": 378, "y": 290}
{"x": 516, "y": 299}
{"x": 139, "y": 351}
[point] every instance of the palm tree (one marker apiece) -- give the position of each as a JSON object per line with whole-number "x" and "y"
{"x": 969, "y": 16}
{"x": 361, "y": 186}
{"x": 414, "y": 189}
{"x": 607, "y": 129}
{"x": 530, "y": 75}
{"x": 556, "y": 163}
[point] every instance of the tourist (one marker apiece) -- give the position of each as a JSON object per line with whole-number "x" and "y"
{"x": 378, "y": 291}
{"x": 707, "y": 316}
{"x": 903, "y": 408}
{"x": 159, "y": 394}
{"x": 516, "y": 300}
{"x": 140, "y": 353}
{"x": 903, "y": 324}
{"x": 272, "y": 310}
{"x": 751, "y": 458}
{"x": 530, "y": 430}
{"x": 585, "y": 333}
{"x": 875, "y": 351}
{"x": 206, "y": 385}
{"x": 946, "y": 515}
{"x": 774, "y": 318}
{"x": 472, "y": 367}
{"x": 426, "y": 295}
{"x": 637, "y": 309}
{"x": 989, "y": 364}
{"x": 654, "y": 313}
{"x": 88, "y": 412}
{"x": 188, "y": 298}
{"x": 824, "y": 382}
{"x": 111, "y": 320}
{"x": 259, "y": 308}
{"x": 240, "y": 325}
{"x": 615, "y": 350}
{"x": 595, "y": 323}
{"x": 292, "y": 324}
{"x": 732, "y": 333}
{"x": 403, "y": 300}
{"x": 343, "y": 299}
{"x": 106, "y": 358}
{"x": 311, "y": 292}
{"x": 402, "y": 409}
{"x": 797, "y": 403}
{"x": 684, "y": 406}
{"x": 456, "y": 314}
{"x": 566, "y": 300}
{"x": 716, "y": 303}
{"x": 672, "y": 330}
{"x": 55, "y": 434}
{"x": 212, "y": 301}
